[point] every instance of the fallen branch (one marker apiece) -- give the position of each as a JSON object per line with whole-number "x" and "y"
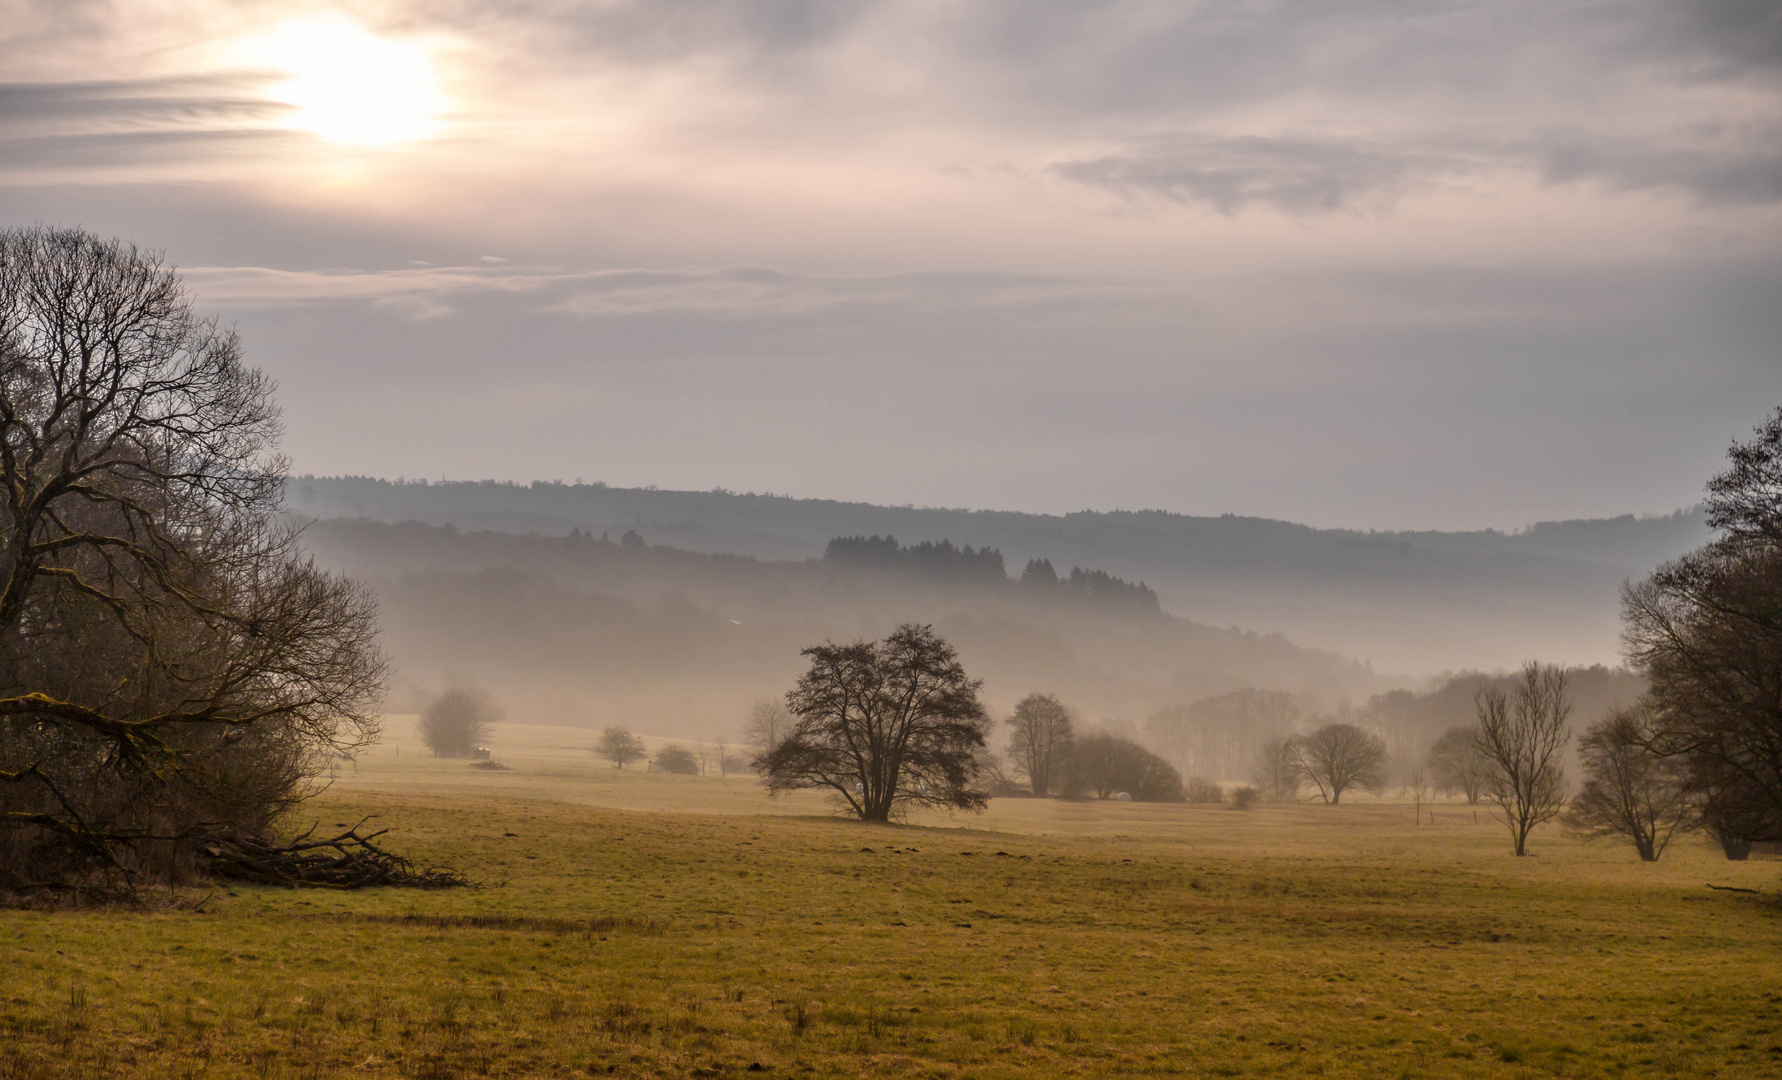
{"x": 346, "y": 861}
{"x": 1733, "y": 888}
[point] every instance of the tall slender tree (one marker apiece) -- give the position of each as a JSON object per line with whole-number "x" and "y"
{"x": 1041, "y": 741}
{"x": 1523, "y": 735}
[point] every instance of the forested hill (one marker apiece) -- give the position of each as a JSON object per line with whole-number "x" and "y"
{"x": 587, "y": 629}
{"x": 1416, "y": 602}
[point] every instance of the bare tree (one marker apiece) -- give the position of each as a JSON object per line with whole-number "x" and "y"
{"x": 884, "y": 725}
{"x": 1278, "y": 776}
{"x": 1457, "y": 764}
{"x": 1523, "y": 739}
{"x": 1041, "y": 742}
{"x": 1338, "y": 757}
{"x": 619, "y": 746}
{"x": 1706, "y": 631}
{"x": 1630, "y": 790}
{"x": 765, "y": 725}
{"x": 704, "y": 756}
{"x": 456, "y": 721}
{"x": 172, "y": 670}
{"x": 1417, "y": 786}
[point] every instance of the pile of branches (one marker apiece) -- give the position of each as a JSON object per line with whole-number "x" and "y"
{"x": 347, "y": 861}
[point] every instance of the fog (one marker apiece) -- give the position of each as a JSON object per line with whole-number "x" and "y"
{"x": 1414, "y": 604}
{"x": 588, "y": 628}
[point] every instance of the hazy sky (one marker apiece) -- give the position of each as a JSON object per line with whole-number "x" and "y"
{"x": 1353, "y": 263}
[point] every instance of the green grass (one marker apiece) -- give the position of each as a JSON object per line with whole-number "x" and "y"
{"x": 1042, "y": 939}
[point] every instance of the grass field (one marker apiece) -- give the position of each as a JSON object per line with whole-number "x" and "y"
{"x": 650, "y": 925}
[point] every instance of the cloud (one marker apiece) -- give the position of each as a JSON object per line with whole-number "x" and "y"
{"x": 116, "y": 123}
{"x": 1296, "y": 176}
{"x": 730, "y": 293}
{"x": 1719, "y": 165}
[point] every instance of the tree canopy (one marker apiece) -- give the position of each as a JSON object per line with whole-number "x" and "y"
{"x": 172, "y": 670}
{"x": 884, "y": 725}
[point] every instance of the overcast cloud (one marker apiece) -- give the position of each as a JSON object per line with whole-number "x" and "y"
{"x": 1355, "y": 263}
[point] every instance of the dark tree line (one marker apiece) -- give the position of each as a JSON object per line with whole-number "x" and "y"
{"x": 172, "y": 671}
{"x": 934, "y": 559}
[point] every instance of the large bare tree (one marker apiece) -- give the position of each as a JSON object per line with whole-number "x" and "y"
{"x": 171, "y": 668}
{"x": 1706, "y": 631}
{"x": 884, "y": 725}
{"x": 1340, "y": 756}
{"x": 1041, "y": 741}
{"x": 1523, "y": 735}
{"x": 1629, "y": 789}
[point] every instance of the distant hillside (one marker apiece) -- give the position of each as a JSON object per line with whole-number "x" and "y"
{"x": 1416, "y": 602}
{"x": 585, "y": 629}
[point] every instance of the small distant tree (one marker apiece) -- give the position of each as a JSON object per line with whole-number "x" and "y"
{"x": 885, "y": 725}
{"x": 619, "y": 746}
{"x": 1278, "y": 776}
{"x": 1629, "y": 790}
{"x": 1523, "y": 735}
{"x": 1417, "y": 786}
{"x": 458, "y": 720}
{"x": 1456, "y": 764}
{"x": 1106, "y": 765}
{"x": 1242, "y": 798}
{"x": 677, "y": 759}
{"x": 765, "y": 725}
{"x": 704, "y": 756}
{"x": 1041, "y": 742}
{"x": 1338, "y": 757}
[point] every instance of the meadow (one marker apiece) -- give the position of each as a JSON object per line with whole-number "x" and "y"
{"x": 636, "y": 924}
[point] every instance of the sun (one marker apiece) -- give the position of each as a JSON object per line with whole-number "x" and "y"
{"x": 350, "y": 86}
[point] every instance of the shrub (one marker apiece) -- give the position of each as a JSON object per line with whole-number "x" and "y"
{"x": 677, "y": 759}
{"x": 457, "y": 720}
{"x": 1243, "y": 797}
{"x": 1104, "y": 764}
{"x": 1201, "y": 790}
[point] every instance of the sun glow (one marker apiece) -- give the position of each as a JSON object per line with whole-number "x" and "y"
{"x": 350, "y": 86}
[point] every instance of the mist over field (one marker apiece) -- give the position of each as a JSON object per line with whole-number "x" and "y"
{"x": 1408, "y": 605}
{"x": 670, "y": 612}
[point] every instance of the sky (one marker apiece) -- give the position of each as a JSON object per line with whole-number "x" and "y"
{"x": 1344, "y": 262}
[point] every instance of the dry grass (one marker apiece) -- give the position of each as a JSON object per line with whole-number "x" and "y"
{"x": 1039, "y": 939}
